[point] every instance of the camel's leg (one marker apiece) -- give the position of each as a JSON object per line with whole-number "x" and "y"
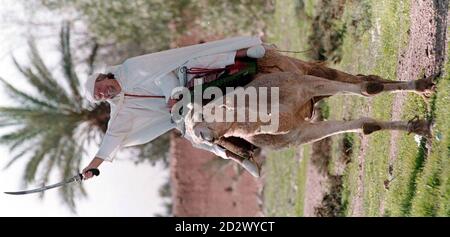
{"x": 311, "y": 132}
{"x": 316, "y": 86}
{"x": 274, "y": 62}
{"x": 323, "y": 87}
{"x": 320, "y": 70}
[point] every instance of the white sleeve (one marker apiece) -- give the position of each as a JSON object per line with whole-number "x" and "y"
{"x": 118, "y": 128}
{"x": 213, "y": 61}
{"x": 109, "y": 147}
{"x": 167, "y": 83}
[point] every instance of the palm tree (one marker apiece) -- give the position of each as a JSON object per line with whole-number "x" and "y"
{"x": 51, "y": 126}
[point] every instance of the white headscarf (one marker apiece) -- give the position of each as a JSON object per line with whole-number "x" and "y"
{"x": 89, "y": 87}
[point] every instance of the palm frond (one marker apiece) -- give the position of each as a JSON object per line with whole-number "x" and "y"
{"x": 18, "y": 137}
{"x": 91, "y": 58}
{"x": 25, "y": 150}
{"x": 25, "y": 98}
{"x": 67, "y": 64}
{"x": 48, "y": 168}
{"x": 47, "y": 78}
{"x": 39, "y": 65}
{"x": 70, "y": 165}
{"x": 51, "y": 93}
{"x": 29, "y": 114}
{"x": 49, "y": 143}
{"x": 47, "y": 122}
{"x": 15, "y": 158}
{"x": 33, "y": 164}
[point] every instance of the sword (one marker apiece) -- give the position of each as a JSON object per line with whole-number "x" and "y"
{"x": 76, "y": 178}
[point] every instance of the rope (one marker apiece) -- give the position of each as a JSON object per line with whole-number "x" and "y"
{"x": 288, "y": 51}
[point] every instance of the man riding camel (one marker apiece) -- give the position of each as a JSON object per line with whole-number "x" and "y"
{"x": 139, "y": 93}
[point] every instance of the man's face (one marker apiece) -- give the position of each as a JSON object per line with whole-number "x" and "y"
{"x": 106, "y": 89}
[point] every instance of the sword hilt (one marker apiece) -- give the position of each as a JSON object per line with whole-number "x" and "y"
{"x": 94, "y": 171}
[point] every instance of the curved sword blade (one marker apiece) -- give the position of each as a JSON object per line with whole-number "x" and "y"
{"x": 41, "y": 189}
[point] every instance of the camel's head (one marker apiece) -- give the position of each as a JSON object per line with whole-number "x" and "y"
{"x": 196, "y": 127}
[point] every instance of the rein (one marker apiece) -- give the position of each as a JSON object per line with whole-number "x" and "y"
{"x": 145, "y": 96}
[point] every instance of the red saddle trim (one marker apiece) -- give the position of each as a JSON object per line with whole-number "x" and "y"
{"x": 145, "y": 96}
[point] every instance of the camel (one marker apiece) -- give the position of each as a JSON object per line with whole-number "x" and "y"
{"x": 301, "y": 85}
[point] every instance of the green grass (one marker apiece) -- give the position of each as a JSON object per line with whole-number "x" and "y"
{"x": 408, "y": 164}
{"x": 284, "y": 189}
{"x": 432, "y": 186}
{"x": 289, "y": 29}
{"x": 301, "y": 180}
{"x": 421, "y": 186}
{"x": 285, "y": 180}
{"x": 350, "y": 179}
{"x": 375, "y": 52}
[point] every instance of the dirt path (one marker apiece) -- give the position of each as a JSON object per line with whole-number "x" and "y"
{"x": 425, "y": 54}
{"x": 357, "y": 203}
{"x": 205, "y": 185}
{"x": 317, "y": 181}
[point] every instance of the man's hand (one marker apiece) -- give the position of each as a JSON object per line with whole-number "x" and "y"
{"x": 171, "y": 103}
{"x": 87, "y": 174}
{"x": 95, "y": 163}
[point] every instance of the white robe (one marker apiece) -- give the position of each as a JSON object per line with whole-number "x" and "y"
{"x": 136, "y": 121}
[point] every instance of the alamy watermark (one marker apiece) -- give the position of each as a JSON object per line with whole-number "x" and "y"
{"x": 250, "y": 104}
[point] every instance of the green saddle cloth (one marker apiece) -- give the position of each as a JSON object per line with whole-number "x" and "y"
{"x": 237, "y": 79}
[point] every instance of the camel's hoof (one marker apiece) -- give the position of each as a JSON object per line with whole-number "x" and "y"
{"x": 421, "y": 127}
{"x": 372, "y": 88}
{"x": 369, "y": 128}
{"x": 252, "y": 167}
{"x": 256, "y": 152}
{"x": 386, "y": 184}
